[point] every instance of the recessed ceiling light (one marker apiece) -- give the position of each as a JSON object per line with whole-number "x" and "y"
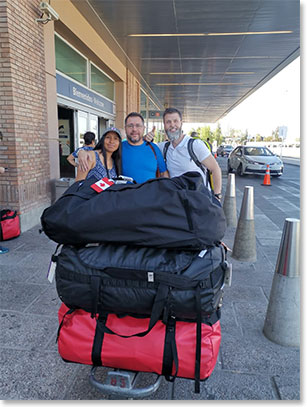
{"x": 198, "y": 84}
{"x": 239, "y": 73}
{"x": 211, "y": 34}
{"x": 175, "y": 73}
{"x": 209, "y": 58}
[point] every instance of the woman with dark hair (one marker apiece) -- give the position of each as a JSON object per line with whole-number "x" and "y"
{"x": 106, "y": 157}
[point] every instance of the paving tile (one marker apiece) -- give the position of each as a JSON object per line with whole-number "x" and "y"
{"x": 15, "y": 258}
{"x": 34, "y": 375}
{"x": 17, "y": 273}
{"x": 225, "y": 385}
{"x": 251, "y": 318}
{"x": 47, "y": 303}
{"x": 256, "y": 354}
{"x": 26, "y": 331}
{"x": 288, "y": 386}
{"x": 17, "y": 296}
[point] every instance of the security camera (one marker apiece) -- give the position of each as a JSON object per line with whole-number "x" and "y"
{"x": 49, "y": 11}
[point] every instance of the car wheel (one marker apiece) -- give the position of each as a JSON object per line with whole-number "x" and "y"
{"x": 229, "y": 169}
{"x": 240, "y": 170}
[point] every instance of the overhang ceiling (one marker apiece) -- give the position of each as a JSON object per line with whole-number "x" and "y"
{"x": 206, "y": 56}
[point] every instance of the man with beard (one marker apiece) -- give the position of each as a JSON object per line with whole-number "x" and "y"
{"x": 140, "y": 159}
{"x": 177, "y": 156}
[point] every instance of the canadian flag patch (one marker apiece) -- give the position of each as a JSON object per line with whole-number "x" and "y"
{"x": 102, "y": 184}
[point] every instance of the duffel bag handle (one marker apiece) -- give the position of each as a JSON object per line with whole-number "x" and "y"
{"x": 158, "y": 306}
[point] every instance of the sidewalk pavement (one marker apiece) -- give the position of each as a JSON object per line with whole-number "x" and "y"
{"x": 292, "y": 161}
{"x": 249, "y": 366}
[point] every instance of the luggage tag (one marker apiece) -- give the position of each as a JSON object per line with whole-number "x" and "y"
{"x": 202, "y": 253}
{"x": 102, "y": 184}
{"x": 52, "y": 265}
{"x": 51, "y": 271}
{"x": 228, "y": 275}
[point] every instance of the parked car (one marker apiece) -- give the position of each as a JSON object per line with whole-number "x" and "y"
{"x": 224, "y": 151}
{"x": 253, "y": 160}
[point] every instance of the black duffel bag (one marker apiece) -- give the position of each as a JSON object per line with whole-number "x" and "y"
{"x": 142, "y": 281}
{"x": 176, "y": 212}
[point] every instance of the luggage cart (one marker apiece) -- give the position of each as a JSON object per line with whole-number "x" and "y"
{"x": 120, "y": 384}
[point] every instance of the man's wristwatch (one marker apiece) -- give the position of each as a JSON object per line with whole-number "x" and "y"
{"x": 218, "y": 196}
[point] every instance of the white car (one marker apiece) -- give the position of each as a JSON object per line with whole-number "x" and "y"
{"x": 253, "y": 160}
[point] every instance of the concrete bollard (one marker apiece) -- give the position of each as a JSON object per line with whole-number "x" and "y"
{"x": 282, "y": 322}
{"x": 229, "y": 205}
{"x": 244, "y": 247}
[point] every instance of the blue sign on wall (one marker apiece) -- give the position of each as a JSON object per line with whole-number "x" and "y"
{"x": 81, "y": 94}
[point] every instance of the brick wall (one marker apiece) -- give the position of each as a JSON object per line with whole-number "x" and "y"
{"x": 23, "y": 114}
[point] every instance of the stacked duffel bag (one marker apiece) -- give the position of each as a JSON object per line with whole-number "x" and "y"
{"x": 141, "y": 275}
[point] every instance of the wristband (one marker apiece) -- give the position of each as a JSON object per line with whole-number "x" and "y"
{"x": 218, "y": 196}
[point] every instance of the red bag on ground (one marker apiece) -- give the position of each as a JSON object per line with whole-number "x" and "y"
{"x": 9, "y": 224}
{"x": 80, "y": 340}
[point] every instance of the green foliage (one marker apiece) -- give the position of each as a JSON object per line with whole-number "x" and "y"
{"x": 159, "y": 136}
{"x": 258, "y": 137}
{"x": 218, "y": 136}
{"x": 206, "y": 132}
{"x": 275, "y": 135}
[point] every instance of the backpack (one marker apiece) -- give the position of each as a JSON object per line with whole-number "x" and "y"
{"x": 209, "y": 180}
{"x": 9, "y": 224}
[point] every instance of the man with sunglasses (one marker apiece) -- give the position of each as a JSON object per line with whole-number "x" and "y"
{"x": 141, "y": 160}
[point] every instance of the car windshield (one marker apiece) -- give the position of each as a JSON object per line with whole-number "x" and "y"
{"x": 258, "y": 151}
{"x": 228, "y": 147}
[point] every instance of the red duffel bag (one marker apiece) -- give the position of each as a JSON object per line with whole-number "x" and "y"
{"x": 82, "y": 339}
{"x": 9, "y": 224}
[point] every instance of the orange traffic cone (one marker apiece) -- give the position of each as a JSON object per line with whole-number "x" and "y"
{"x": 215, "y": 155}
{"x": 267, "y": 178}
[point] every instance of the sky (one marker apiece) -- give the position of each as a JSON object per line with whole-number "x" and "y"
{"x": 277, "y": 103}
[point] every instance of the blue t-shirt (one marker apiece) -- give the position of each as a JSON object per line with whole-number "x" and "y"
{"x": 140, "y": 163}
{"x": 86, "y": 148}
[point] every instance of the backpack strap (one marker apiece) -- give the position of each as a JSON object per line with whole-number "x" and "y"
{"x": 170, "y": 354}
{"x": 165, "y": 148}
{"x": 158, "y": 173}
{"x": 198, "y": 163}
{"x": 98, "y": 340}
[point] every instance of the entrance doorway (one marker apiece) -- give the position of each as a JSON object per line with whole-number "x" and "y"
{"x": 86, "y": 122}
{"x": 66, "y": 140}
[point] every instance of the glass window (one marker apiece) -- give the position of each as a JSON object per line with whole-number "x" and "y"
{"x": 101, "y": 83}
{"x": 70, "y": 61}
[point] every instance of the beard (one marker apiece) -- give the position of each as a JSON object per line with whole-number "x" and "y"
{"x": 134, "y": 139}
{"x": 173, "y": 135}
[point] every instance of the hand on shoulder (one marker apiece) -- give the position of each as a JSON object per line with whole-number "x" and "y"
{"x": 85, "y": 159}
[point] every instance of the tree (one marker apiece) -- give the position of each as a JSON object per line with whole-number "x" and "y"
{"x": 258, "y": 137}
{"x": 275, "y": 135}
{"x": 218, "y": 136}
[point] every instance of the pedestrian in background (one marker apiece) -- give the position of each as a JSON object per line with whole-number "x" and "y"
{"x": 89, "y": 144}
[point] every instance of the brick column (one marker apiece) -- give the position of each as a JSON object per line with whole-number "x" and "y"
{"x": 24, "y": 147}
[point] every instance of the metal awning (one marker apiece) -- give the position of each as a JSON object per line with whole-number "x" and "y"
{"x": 202, "y": 56}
